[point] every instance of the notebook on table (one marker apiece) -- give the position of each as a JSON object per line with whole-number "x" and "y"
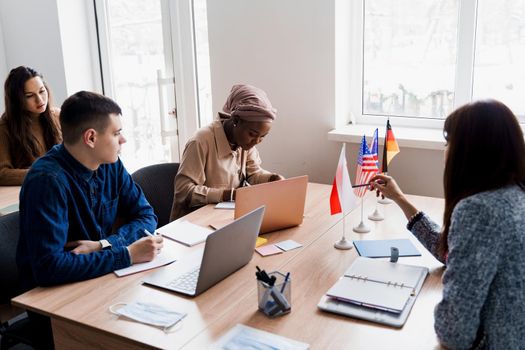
{"x": 376, "y": 290}
{"x": 184, "y": 232}
{"x": 225, "y": 251}
{"x": 284, "y": 202}
{"x": 380, "y": 248}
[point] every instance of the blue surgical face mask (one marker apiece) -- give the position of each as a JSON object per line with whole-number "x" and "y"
{"x": 148, "y": 313}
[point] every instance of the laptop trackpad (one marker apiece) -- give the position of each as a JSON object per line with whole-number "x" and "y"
{"x": 168, "y": 273}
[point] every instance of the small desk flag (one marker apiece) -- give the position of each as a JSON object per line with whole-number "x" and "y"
{"x": 366, "y": 166}
{"x": 390, "y": 149}
{"x": 342, "y": 198}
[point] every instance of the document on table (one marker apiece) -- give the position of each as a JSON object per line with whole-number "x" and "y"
{"x": 164, "y": 258}
{"x": 225, "y": 205}
{"x": 244, "y": 337}
{"x": 380, "y": 248}
{"x": 185, "y": 232}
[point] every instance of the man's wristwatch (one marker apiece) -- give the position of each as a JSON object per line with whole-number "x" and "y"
{"x": 104, "y": 244}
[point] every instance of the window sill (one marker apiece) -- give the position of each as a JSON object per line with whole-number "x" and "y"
{"x": 418, "y": 138}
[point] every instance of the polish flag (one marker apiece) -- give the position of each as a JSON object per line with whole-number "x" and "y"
{"x": 342, "y": 198}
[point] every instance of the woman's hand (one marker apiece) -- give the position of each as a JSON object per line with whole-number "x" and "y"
{"x": 275, "y": 177}
{"x": 228, "y": 195}
{"x": 386, "y": 186}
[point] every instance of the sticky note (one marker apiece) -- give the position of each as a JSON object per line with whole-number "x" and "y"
{"x": 260, "y": 241}
{"x": 288, "y": 245}
{"x": 269, "y": 249}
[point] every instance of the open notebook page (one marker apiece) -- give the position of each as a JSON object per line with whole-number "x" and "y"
{"x": 385, "y": 271}
{"x": 164, "y": 258}
{"x": 371, "y": 294}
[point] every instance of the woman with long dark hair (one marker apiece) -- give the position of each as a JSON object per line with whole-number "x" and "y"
{"x": 29, "y": 126}
{"x": 482, "y": 242}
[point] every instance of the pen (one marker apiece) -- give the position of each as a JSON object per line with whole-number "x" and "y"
{"x": 367, "y": 184}
{"x": 285, "y": 281}
{"x": 149, "y": 233}
{"x": 361, "y": 185}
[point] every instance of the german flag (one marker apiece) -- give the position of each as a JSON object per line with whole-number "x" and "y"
{"x": 390, "y": 148}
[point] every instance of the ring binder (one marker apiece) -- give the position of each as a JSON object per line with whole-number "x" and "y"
{"x": 385, "y": 286}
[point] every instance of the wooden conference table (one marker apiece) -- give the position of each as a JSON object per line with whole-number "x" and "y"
{"x": 81, "y": 318}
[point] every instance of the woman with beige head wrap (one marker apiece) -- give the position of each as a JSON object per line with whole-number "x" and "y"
{"x": 222, "y": 156}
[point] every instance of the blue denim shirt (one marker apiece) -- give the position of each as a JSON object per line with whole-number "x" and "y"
{"x": 63, "y": 201}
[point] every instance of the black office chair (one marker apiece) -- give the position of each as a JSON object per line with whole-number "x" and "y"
{"x": 157, "y": 181}
{"x": 16, "y": 330}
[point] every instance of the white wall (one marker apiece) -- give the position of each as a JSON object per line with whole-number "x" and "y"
{"x": 78, "y": 39}
{"x": 287, "y": 49}
{"x": 32, "y": 37}
{"x": 3, "y": 65}
{"x": 51, "y": 36}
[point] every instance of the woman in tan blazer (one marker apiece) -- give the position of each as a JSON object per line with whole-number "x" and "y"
{"x": 222, "y": 156}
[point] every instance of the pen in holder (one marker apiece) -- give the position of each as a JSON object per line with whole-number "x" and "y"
{"x": 274, "y": 297}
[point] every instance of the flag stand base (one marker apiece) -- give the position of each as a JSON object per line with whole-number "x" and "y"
{"x": 343, "y": 244}
{"x": 376, "y": 216}
{"x": 361, "y": 228}
{"x": 384, "y": 201}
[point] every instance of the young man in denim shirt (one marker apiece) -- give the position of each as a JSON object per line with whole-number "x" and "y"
{"x": 72, "y": 196}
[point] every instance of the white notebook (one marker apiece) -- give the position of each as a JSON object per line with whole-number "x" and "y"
{"x": 185, "y": 232}
{"x": 164, "y": 258}
{"x": 379, "y": 284}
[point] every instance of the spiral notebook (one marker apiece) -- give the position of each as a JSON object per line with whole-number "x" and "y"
{"x": 376, "y": 290}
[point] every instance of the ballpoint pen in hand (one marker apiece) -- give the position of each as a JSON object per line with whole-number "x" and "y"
{"x": 149, "y": 233}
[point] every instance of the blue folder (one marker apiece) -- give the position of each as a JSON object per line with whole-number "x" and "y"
{"x": 381, "y": 248}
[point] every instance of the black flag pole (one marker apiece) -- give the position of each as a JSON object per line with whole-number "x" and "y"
{"x": 384, "y": 166}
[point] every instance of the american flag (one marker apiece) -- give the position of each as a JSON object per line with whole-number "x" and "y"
{"x": 375, "y": 146}
{"x": 366, "y": 166}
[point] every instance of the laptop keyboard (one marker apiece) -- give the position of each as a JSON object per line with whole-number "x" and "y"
{"x": 186, "y": 282}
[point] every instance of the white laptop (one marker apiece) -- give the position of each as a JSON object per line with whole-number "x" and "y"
{"x": 226, "y": 250}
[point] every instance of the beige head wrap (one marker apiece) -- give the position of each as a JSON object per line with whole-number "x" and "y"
{"x": 248, "y": 103}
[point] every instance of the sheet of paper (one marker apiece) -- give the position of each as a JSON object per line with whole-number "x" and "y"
{"x": 225, "y": 205}
{"x": 185, "y": 232}
{"x": 9, "y": 209}
{"x": 269, "y": 249}
{"x": 164, "y": 258}
{"x": 244, "y": 337}
{"x": 289, "y": 244}
{"x": 220, "y": 223}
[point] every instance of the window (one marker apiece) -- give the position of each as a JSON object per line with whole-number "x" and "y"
{"x": 202, "y": 58}
{"x": 151, "y": 52}
{"x": 419, "y": 60}
{"x": 499, "y": 65}
{"x": 136, "y": 51}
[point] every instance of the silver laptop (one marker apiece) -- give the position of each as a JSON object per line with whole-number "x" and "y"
{"x": 226, "y": 250}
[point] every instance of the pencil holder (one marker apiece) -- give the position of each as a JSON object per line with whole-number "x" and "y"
{"x": 275, "y": 300}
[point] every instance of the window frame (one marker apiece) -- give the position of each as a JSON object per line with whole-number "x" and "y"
{"x": 177, "y": 24}
{"x": 464, "y": 70}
